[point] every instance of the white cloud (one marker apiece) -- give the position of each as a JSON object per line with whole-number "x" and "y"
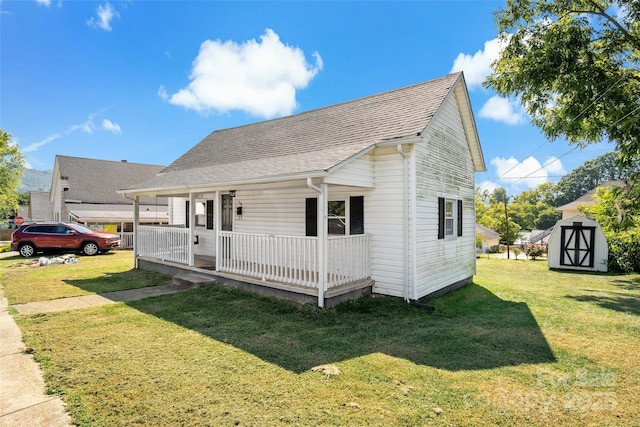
{"x": 86, "y": 127}
{"x": 162, "y": 93}
{"x": 105, "y": 14}
{"x": 44, "y": 2}
{"x": 529, "y": 172}
{"x": 477, "y": 67}
{"x": 503, "y": 110}
{"x": 34, "y": 147}
{"x": 260, "y": 78}
{"x": 108, "y": 125}
{"x": 488, "y": 185}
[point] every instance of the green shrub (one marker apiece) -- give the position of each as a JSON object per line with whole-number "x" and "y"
{"x": 534, "y": 251}
{"x": 5, "y": 248}
{"x": 624, "y": 250}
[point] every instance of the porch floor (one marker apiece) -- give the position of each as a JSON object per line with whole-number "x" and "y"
{"x": 205, "y": 266}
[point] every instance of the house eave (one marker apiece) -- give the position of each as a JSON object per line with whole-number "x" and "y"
{"x": 221, "y": 185}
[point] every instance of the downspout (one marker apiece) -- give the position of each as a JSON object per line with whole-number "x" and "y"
{"x": 405, "y": 221}
{"x": 136, "y": 219}
{"x": 192, "y": 227}
{"x": 322, "y": 240}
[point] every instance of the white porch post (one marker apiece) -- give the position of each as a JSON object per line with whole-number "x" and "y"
{"x": 322, "y": 242}
{"x": 136, "y": 220}
{"x": 192, "y": 228}
{"x": 216, "y": 222}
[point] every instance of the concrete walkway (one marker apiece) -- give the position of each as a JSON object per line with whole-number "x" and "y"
{"x": 94, "y": 300}
{"x": 23, "y": 401}
{"x": 22, "y": 398}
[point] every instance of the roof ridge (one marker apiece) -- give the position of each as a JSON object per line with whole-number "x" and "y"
{"x": 341, "y": 103}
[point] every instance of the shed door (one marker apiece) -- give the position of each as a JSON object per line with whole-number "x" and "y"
{"x": 577, "y": 244}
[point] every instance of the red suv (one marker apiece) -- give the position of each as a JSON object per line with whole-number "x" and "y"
{"x": 61, "y": 236}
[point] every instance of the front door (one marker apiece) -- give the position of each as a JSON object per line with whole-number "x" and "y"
{"x": 227, "y": 213}
{"x": 577, "y": 243}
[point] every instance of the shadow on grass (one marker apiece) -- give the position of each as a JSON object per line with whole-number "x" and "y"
{"x": 622, "y": 302}
{"x": 629, "y": 284}
{"x": 470, "y": 329}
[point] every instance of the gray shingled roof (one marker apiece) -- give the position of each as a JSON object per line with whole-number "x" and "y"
{"x": 97, "y": 181}
{"x": 309, "y": 142}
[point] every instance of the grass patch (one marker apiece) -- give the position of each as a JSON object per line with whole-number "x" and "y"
{"x": 521, "y": 346}
{"x": 90, "y": 275}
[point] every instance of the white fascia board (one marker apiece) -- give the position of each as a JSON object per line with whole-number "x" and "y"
{"x": 469, "y": 124}
{"x": 413, "y": 139}
{"x": 220, "y": 185}
{"x": 351, "y": 159}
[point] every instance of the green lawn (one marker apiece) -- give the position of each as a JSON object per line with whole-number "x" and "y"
{"x": 521, "y": 346}
{"x": 90, "y": 275}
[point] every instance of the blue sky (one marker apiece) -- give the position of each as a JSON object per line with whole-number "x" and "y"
{"x": 147, "y": 80}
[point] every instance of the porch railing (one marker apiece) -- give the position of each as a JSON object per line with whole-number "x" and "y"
{"x": 349, "y": 259}
{"x": 293, "y": 259}
{"x": 288, "y": 259}
{"x": 164, "y": 243}
{"x": 126, "y": 240}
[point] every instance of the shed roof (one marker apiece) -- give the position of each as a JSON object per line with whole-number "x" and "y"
{"x": 312, "y": 142}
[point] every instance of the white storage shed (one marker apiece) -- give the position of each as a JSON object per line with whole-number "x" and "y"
{"x": 578, "y": 243}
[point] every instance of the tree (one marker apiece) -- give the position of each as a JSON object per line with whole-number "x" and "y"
{"x": 11, "y": 170}
{"x": 591, "y": 174}
{"x": 617, "y": 211}
{"x": 575, "y": 65}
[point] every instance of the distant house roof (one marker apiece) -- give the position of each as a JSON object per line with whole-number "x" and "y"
{"x": 487, "y": 232}
{"x": 97, "y": 181}
{"x": 315, "y": 142}
{"x": 40, "y": 208}
{"x": 587, "y": 198}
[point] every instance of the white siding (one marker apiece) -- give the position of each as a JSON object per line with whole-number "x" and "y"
{"x": 443, "y": 168}
{"x": 177, "y": 210}
{"x": 358, "y": 173}
{"x": 275, "y": 211}
{"x": 383, "y": 219}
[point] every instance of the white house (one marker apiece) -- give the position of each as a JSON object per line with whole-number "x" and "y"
{"x": 573, "y": 208}
{"x": 371, "y": 195}
{"x": 577, "y": 243}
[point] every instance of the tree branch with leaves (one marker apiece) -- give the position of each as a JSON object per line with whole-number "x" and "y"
{"x": 11, "y": 171}
{"x": 575, "y": 66}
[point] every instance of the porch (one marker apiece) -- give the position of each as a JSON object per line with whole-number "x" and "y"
{"x": 288, "y": 267}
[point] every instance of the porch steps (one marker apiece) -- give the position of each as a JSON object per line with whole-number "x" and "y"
{"x": 193, "y": 280}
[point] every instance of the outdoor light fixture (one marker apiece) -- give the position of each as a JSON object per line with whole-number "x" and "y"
{"x": 232, "y": 193}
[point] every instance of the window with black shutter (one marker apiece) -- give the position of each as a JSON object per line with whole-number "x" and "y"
{"x": 311, "y": 216}
{"x": 356, "y": 215}
{"x": 440, "y": 217}
{"x": 459, "y": 217}
{"x": 209, "y": 214}
{"x": 186, "y": 214}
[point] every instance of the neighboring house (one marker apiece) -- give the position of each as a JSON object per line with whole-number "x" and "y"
{"x": 85, "y": 191}
{"x": 490, "y": 238}
{"x": 540, "y": 237}
{"x": 577, "y": 243}
{"x": 572, "y": 209}
{"x": 40, "y": 208}
{"x": 371, "y": 195}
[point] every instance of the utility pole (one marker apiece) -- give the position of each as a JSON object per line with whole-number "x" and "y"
{"x": 506, "y": 219}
